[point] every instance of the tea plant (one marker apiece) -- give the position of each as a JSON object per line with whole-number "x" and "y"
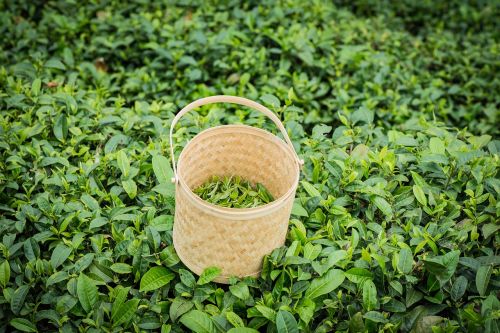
{"x": 393, "y": 107}
{"x": 233, "y": 192}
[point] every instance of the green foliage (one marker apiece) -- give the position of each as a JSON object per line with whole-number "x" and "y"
{"x": 233, "y": 192}
{"x": 392, "y": 105}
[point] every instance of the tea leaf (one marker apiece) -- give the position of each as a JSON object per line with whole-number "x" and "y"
{"x": 4, "y": 273}
{"x": 482, "y": 279}
{"x": 179, "y": 307}
{"x": 369, "y": 295}
{"x": 18, "y": 298}
{"x": 87, "y": 292}
{"x": 310, "y": 189}
{"x": 420, "y": 195}
{"x": 198, "y": 321}
{"x": 23, "y": 325}
{"x": 405, "y": 261}
{"x": 155, "y": 278}
{"x": 123, "y": 163}
{"x": 458, "y": 288}
{"x": 208, "y": 275}
{"x": 125, "y": 312}
{"x": 325, "y": 284}
{"x": 162, "y": 169}
{"x": 285, "y": 322}
{"x": 59, "y": 255}
{"x": 121, "y": 268}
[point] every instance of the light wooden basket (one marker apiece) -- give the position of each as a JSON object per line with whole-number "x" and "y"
{"x": 233, "y": 239}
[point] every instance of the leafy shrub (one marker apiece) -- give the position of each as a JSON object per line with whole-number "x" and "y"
{"x": 395, "y": 225}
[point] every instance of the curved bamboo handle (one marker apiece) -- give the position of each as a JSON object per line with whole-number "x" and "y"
{"x": 232, "y": 100}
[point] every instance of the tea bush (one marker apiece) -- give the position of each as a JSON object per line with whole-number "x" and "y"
{"x": 393, "y": 106}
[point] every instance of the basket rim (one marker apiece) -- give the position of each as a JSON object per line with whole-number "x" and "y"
{"x": 240, "y": 212}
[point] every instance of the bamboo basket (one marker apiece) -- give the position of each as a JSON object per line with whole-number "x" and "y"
{"x": 233, "y": 239}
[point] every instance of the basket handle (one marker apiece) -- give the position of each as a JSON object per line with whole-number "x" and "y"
{"x": 233, "y": 100}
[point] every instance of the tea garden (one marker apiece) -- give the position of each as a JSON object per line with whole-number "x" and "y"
{"x": 393, "y": 107}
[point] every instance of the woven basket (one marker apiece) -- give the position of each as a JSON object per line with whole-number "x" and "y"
{"x": 233, "y": 239}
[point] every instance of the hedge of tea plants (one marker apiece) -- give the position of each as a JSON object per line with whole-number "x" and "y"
{"x": 393, "y": 107}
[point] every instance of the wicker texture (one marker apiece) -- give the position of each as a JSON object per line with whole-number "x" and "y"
{"x": 233, "y": 239}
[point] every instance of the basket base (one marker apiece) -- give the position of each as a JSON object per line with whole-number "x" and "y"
{"x": 198, "y": 271}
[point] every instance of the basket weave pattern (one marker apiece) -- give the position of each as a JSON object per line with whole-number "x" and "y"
{"x": 235, "y": 245}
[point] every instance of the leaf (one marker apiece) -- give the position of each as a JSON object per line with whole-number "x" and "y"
{"x": 310, "y": 189}
{"x": 98, "y": 222}
{"x": 68, "y": 57}
{"x": 234, "y": 319}
{"x": 271, "y": 100}
{"x": 4, "y": 273}
{"x": 242, "y": 330}
{"x": 121, "y": 268}
{"x": 482, "y": 279}
{"x": 375, "y": 316}
{"x": 358, "y": 275}
{"x": 286, "y": 323}
{"x": 90, "y": 202}
{"x": 155, "y": 278}
{"x": 23, "y": 325}
{"x": 165, "y": 189}
{"x": 335, "y": 256}
{"x": 426, "y": 323}
{"x": 356, "y": 323}
{"x": 84, "y": 262}
{"x": 31, "y": 249}
{"x": 120, "y": 298}
{"x": 87, "y": 292}
{"x": 298, "y": 210}
{"x": 179, "y": 307}
{"x": 208, "y": 275}
{"x": 443, "y": 267}
{"x": 130, "y": 187}
{"x": 325, "y": 284}
{"x": 162, "y": 170}
{"x": 56, "y": 278}
{"x": 306, "y": 310}
{"x": 187, "y": 278}
{"x": 35, "y": 86}
{"x": 436, "y": 146}
{"x": 18, "y": 298}
{"x": 479, "y": 141}
{"x": 61, "y": 127}
{"x": 420, "y": 195}
{"x": 123, "y": 163}
{"x": 319, "y": 131}
{"x": 307, "y": 57}
{"x": 369, "y": 295}
{"x": 55, "y": 63}
{"x": 59, "y": 255}
{"x": 266, "y": 312}
{"x": 363, "y": 114}
{"x": 114, "y": 141}
{"x": 490, "y": 229}
{"x": 125, "y": 312}
{"x": 383, "y": 206}
{"x": 198, "y": 322}
{"x": 459, "y": 287}
{"x": 312, "y": 251}
{"x": 240, "y": 290}
{"x": 405, "y": 261}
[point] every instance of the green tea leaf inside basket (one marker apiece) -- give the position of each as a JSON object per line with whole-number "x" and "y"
{"x": 233, "y": 192}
